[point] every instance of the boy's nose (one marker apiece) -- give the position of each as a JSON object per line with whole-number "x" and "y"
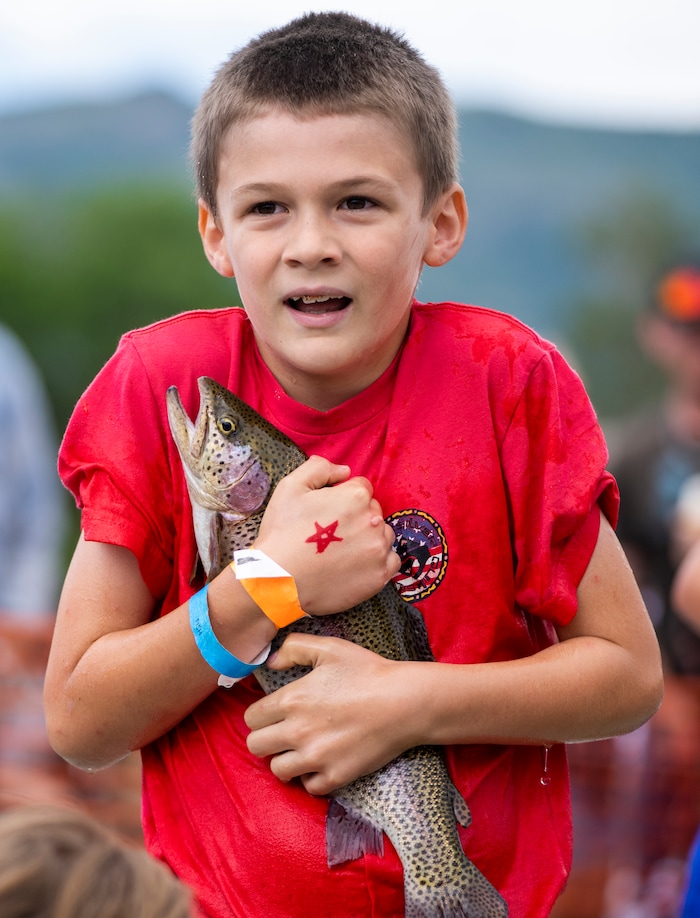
{"x": 312, "y": 242}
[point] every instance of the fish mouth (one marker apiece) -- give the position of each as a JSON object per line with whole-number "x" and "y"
{"x": 232, "y": 475}
{"x": 236, "y": 496}
{"x": 249, "y": 491}
{"x": 318, "y": 304}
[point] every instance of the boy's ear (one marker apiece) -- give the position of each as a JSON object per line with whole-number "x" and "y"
{"x": 213, "y": 241}
{"x": 449, "y": 224}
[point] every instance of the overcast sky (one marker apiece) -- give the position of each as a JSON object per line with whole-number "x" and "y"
{"x": 613, "y": 62}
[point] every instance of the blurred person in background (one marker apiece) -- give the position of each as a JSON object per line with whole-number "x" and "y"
{"x": 658, "y": 452}
{"x": 31, "y": 534}
{"x": 686, "y": 599}
{"x": 655, "y": 785}
{"x": 59, "y": 862}
{"x": 31, "y": 498}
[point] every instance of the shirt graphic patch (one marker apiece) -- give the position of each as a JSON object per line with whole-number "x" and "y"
{"x": 420, "y": 543}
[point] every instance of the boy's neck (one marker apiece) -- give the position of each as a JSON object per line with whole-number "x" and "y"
{"x": 325, "y": 391}
{"x": 322, "y": 396}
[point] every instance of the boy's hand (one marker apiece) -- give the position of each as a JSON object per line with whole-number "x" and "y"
{"x": 333, "y": 540}
{"x": 340, "y": 721}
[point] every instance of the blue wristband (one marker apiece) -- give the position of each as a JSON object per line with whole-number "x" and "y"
{"x": 231, "y": 669}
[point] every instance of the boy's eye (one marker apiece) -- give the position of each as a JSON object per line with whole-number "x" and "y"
{"x": 265, "y": 208}
{"x": 357, "y": 202}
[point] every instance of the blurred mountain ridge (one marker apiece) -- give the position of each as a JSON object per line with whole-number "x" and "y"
{"x": 530, "y": 187}
{"x": 73, "y": 147}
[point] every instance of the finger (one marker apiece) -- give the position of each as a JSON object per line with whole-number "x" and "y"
{"x": 263, "y": 713}
{"x": 299, "y": 649}
{"x": 267, "y": 741}
{"x": 375, "y": 509}
{"x": 314, "y": 474}
{"x": 318, "y": 785}
{"x": 393, "y": 564}
{"x": 288, "y": 765}
{"x": 291, "y": 764}
{"x": 296, "y": 649}
{"x": 315, "y": 783}
{"x": 318, "y": 472}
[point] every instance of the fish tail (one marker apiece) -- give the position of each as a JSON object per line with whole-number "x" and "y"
{"x": 477, "y": 899}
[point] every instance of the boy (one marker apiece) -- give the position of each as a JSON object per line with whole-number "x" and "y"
{"x": 326, "y": 164}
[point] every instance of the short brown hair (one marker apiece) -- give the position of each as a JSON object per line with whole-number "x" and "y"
{"x": 59, "y": 862}
{"x": 330, "y": 63}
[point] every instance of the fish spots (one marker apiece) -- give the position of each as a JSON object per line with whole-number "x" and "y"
{"x": 323, "y": 536}
{"x": 411, "y": 799}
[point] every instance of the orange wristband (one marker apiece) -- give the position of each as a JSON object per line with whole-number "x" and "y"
{"x": 270, "y": 586}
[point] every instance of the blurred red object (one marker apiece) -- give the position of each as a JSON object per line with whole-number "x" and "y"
{"x": 30, "y": 771}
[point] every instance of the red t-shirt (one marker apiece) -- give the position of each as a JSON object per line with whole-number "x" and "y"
{"x": 487, "y": 459}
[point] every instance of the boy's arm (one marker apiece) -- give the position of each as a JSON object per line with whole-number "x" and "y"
{"x": 117, "y": 680}
{"x": 355, "y": 711}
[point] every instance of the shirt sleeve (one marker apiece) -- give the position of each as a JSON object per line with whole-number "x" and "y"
{"x": 114, "y": 461}
{"x": 554, "y": 459}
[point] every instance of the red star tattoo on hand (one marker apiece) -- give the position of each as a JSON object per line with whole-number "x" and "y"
{"x": 324, "y": 536}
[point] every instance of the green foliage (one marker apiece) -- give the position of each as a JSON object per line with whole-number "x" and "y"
{"x": 618, "y": 376}
{"x": 79, "y": 271}
{"x": 626, "y": 247}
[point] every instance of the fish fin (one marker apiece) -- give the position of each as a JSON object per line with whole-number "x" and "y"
{"x": 461, "y": 809}
{"x": 216, "y": 563}
{"x": 479, "y": 900}
{"x": 350, "y": 834}
{"x": 205, "y": 534}
{"x": 468, "y": 895}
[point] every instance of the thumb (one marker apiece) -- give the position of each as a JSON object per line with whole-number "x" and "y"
{"x": 297, "y": 649}
{"x": 318, "y": 472}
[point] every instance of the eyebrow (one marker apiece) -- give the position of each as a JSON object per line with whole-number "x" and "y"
{"x": 366, "y": 183}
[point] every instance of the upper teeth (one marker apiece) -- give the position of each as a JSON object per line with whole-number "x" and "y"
{"x": 312, "y": 299}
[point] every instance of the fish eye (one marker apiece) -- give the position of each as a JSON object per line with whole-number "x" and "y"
{"x": 226, "y": 426}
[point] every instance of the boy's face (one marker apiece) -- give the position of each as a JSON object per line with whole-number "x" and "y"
{"x": 320, "y": 221}
{"x": 676, "y": 349}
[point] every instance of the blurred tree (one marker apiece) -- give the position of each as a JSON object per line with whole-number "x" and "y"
{"x": 78, "y": 272}
{"x": 625, "y": 248}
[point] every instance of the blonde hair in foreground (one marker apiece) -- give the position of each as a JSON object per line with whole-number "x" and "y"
{"x": 57, "y": 862}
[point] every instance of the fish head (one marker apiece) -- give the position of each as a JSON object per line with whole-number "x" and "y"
{"x": 232, "y": 457}
{"x": 222, "y": 471}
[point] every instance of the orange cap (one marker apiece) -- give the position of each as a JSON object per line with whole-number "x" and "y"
{"x": 678, "y": 295}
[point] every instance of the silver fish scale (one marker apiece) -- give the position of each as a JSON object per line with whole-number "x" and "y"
{"x": 412, "y": 799}
{"x": 230, "y": 538}
{"x": 385, "y": 624}
{"x": 394, "y": 795}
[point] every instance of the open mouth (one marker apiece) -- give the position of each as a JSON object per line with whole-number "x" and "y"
{"x": 318, "y": 305}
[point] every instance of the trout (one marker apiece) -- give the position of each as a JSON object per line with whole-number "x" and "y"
{"x": 233, "y": 459}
